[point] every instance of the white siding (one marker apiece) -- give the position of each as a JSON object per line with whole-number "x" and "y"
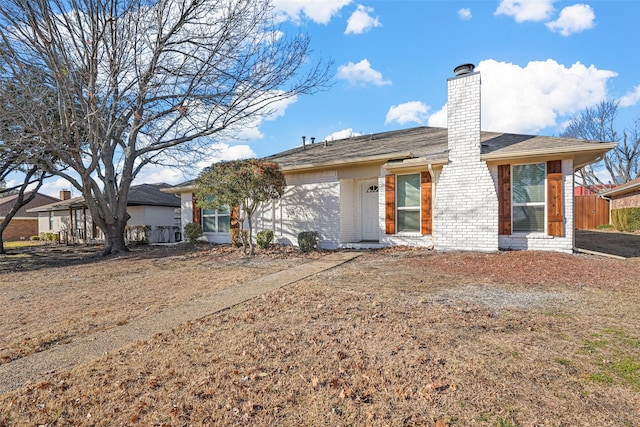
{"x": 349, "y": 211}
{"x": 159, "y": 218}
{"x": 311, "y": 203}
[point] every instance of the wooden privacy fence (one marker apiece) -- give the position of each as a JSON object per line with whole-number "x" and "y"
{"x": 590, "y": 212}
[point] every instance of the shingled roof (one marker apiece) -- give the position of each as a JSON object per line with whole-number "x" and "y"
{"x": 6, "y": 204}
{"x": 622, "y": 189}
{"x": 430, "y": 144}
{"x": 139, "y": 195}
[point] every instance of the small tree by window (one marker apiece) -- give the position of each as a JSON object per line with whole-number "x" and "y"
{"x": 242, "y": 183}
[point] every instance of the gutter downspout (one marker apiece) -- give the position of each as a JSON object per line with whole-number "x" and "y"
{"x": 433, "y": 197}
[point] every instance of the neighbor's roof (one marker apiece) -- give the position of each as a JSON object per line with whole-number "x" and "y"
{"x": 625, "y": 188}
{"x": 139, "y": 195}
{"x": 430, "y": 145}
{"x": 6, "y": 204}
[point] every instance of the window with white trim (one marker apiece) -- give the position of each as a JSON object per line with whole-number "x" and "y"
{"x": 51, "y": 220}
{"x": 216, "y": 220}
{"x": 528, "y": 185}
{"x": 408, "y": 202}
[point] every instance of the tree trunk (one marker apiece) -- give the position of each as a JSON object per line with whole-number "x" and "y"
{"x": 252, "y": 251}
{"x": 114, "y": 238}
{"x": 2, "y": 250}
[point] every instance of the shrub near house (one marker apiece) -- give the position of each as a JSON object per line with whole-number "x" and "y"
{"x": 626, "y": 219}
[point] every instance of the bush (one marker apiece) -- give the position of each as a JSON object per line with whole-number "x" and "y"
{"x": 626, "y": 219}
{"x": 192, "y": 232}
{"x": 49, "y": 236}
{"x": 264, "y": 239}
{"x": 235, "y": 237}
{"x": 308, "y": 240}
{"x": 34, "y": 238}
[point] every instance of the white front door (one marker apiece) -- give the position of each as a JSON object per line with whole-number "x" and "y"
{"x": 369, "y": 210}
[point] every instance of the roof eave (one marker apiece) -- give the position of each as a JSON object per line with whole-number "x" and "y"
{"x": 178, "y": 190}
{"x": 620, "y": 192}
{"x": 592, "y": 154}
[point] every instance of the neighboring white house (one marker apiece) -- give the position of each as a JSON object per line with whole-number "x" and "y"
{"x": 146, "y": 204}
{"x": 451, "y": 189}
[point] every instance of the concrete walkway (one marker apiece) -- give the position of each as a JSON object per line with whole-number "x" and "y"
{"x": 64, "y": 357}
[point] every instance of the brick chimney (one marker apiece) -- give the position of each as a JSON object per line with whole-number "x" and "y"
{"x": 463, "y": 114}
{"x": 465, "y": 212}
{"x": 65, "y": 194}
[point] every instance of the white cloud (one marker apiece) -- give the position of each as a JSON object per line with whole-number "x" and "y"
{"x": 361, "y": 22}
{"x": 50, "y": 187}
{"x": 465, "y": 14}
{"x": 631, "y": 98}
{"x": 409, "y": 112}
{"x": 361, "y": 74}
{"x": 526, "y": 10}
{"x": 573, "y": 19}
{"x": 320, "y": 12}
{"x": 341, "y": 134}
{"x": 540, "y": 95}
{"x": 439, "y": 118}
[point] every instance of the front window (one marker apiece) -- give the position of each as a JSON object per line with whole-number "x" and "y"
{"x": 528, "y": 205}
{"x": 216, "y": 220}
{"x": 408, "y": 202}
{"x": 51, "y": 220}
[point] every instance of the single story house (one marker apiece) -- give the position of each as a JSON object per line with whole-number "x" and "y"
{"x": 70, "y": 218}
{"x": 457, "y": 188}
{"x": 24, "y": 224}
{"x": 626, "y": 195}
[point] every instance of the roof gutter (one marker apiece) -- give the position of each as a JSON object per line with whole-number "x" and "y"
{"x": 417, "y": 162}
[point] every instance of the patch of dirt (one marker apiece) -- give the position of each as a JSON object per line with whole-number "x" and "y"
{"x": 395, "y": 337}
{"x": 626, "y": 245}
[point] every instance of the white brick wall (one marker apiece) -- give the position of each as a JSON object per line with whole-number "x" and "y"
{"x": 465, "y": 211}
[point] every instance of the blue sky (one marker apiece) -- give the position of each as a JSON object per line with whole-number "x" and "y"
{"x": 541, "y": 62}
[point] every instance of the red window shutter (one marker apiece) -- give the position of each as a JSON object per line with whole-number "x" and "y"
{"x": 233, "y": 217}
{"x": 425, "y": 193}
{"x": 196, "y": 211}
{"x": 504, "y": 200}
{"x": 555, "y": 218}
{"x": 390, "y": 203}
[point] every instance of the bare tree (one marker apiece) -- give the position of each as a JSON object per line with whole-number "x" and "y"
{"x": 622, "y": 164}
{"x": 138, "y": 82}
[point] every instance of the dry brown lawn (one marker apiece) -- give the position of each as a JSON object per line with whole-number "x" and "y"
{"x": 395, "y": 337}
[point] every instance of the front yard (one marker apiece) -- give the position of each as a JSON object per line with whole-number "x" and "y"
{"x": 395, "y": 337}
